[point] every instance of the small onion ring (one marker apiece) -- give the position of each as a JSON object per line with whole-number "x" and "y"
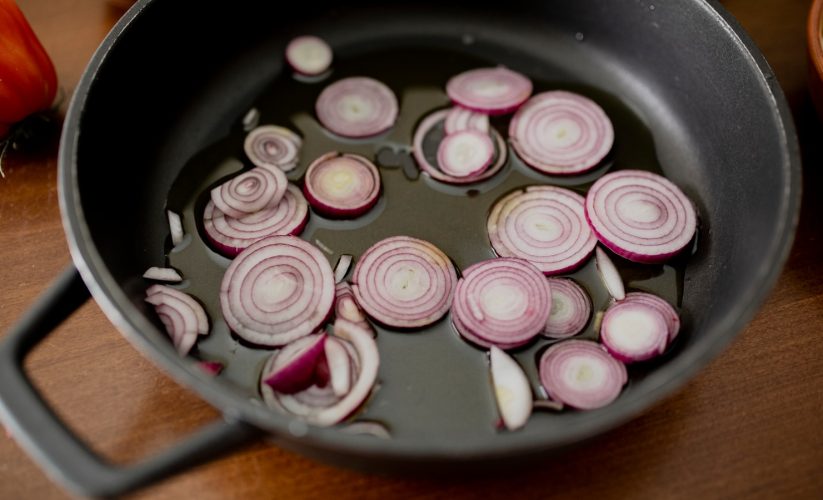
{"x": 640, "y": 216}
{"x": 665, "y": 309}
{"x": 544, "y": 225}
{"x": 274, "y": 147}
{"x": 465, "y": 154}
{"x": 501, "y": 302}
{"x": 634, "y": 331}
{"x": 571, "y": 309}
{"x": 404, "y": 282}
{"x": 493, "y": 91}
{"x": 250, "y": 191}
{"x": 309, "y": 55}
{"x": 230, "y": 236}
{"x": 460, "y": 119}
{"x": 561, "y": 133}
{"x": 342, "y": 185}
{"x": 357, "y": 107}
{"x": 581, "y": 374}
{"x": 182, "y": 316}
{"x": 279, "y": 289}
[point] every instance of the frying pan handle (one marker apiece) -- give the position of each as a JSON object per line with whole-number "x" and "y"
{"x": 41, "y": 433}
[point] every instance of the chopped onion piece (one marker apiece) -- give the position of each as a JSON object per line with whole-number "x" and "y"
{"x": 561, "y": 133}
{"x": 251, "y": 119}
{"x": 181, "y": 315}
{"x": 640, "y": 216}
{"x": 663, "y": 307}
{"x": 460, "y": 119}
{"x": 339, "y": 366}
{"x": 250, "y": 192}
{"x": 465, "y": 154}
{"x": 175, "y": 228}
{"x": 273, "y": 147}
{"x": 571, "y": 309}
{"x": 279, "y": 289}
{"x": 300, "y": 360}
{"x": 544, "y": 225}
{"x": 357, "y": 107}
{"x": 634, "y": 331}
{"x": 342, "y": 185}
{"x": 342, "y": 267}
{"x": 609, "y": 274}
{"x": 546, "y": 404}
{"x": 309, "y": 55}
{"x": 163, "y": 274}
{"x": 511, "y": 389}
{"x": 346, "y": 306}
{"x": 493, "y": 91}
{"x": 581, "y": 374}
{"x": 212, "y": 368}
{"x": 370, "y": 428}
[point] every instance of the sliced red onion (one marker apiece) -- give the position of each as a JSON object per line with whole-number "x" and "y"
{"x": 404, "y": 282}
{"x": 640, "y": 216}
{"x": 609, "y": 274}
{"x": 298, "y": 363}
{"x": 544, "y": 225}
{"x": 346, "y": 306}
{"x": 663, "y": 307}
{"x": 279, "y": 289}
{"x": 213, "y": 368}
{"x": 581, "y": 374}
{"x": 428, "y": 126}
{"x": 501, "y": 302}
{"x": 163, "y": 274}
{"x": 493, "y": 91}
{"x": 561, "y": 133}
{"x": 309, "y": 55}
{"x": 339, "y": 366}
{"x": 465, "y": 154}
{"x": 251, "y": 119}
{"x": 250, "y": 192}
{"x": 634, "y": 331}
{"x": 342, "y": 185}
{"x": 273, "y": 147}
{"x": 370, "y": 428}
{"x": 460, "y": 119}
{"x": 511, "y": 389}
{"x": 229, "y": 235}
{"x": 181, "y": 315}
{"x": 357, "y": 107}
{"x": 342, "y": 267}
{"x": 175, "y": 228}
{"x": 571, "y": 309}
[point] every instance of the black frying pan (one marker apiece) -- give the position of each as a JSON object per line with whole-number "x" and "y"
{"x": 161, "y": 102}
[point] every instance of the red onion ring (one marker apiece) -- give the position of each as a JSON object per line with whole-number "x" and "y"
{"x": 640, "y": 216}
{"x": 342, "y": 185}
{"x": 357, "y": 107}
{"x": 493, "y": 91}
{"x": 664, "y": 308}
{"x": 250, "y": 191}
{"x": 501, "y": 302}
{"x": 309, "y": 55}
{"x": 571, "y": 309}
{"x": 460, "y": 119}
{"x": 404, "y": 282}
{"x": 274, "y": 147}
{"x": 230, "y": 236}
{"x": 181, "y": 315}
{"x": 544, "y": 225}
{"x": 346, "y": 306}
{"x": 279, "y": 289}
{"x": 634, "y": 331}
{"x": 427, "y": 126}
{"x": 561, "y": 133}
{"x": 581, "y": 374}
{"x": 465, "y": 154}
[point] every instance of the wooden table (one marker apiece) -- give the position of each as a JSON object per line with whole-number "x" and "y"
{"x": 748, "y": 426}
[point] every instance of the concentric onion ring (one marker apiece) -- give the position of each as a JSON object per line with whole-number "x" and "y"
{"x": 181, "y": 315}
{"x": 544, "y": 225}
{"x": 634, "y": 331}
{"x": 274, "y": 147}
{"x": 279, "y": 289}
{"x": 404, "y": 282}
{"x": 229, "y": 235}
{"x": 465, "y": 154}
{"x": 663, "y": 307}
{"x": 494, "y": 91}
{"x": 425, "y": 146}
{"x": 309, "y": 55}
{"x": 571, "y": 309}
{"x": 641, "y": 216}
{"x": 581, "y": 374}
{"x": 250, "y": 191}
{"x": 342, "y": 185}
{"x": 357, "y": 107}
{"x": 561, "y": 133}
{"x": 501, "y": 302}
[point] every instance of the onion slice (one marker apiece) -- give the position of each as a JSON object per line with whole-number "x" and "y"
{"x": 273, "y": 147}
{"x": 664, "y": 308}
{"x": 357, "y": 107}
{"x": 609, "y": 274}
{"x": 342, "y": 267}
{"x": 163, "y": 274}
{"x": 181, "y": 315}
{"x": 229, "y": 235}
{"x": 404, "y": 282}
{"x": 460, "y": 119}
{"x": 581, "y": 374}
{"x": 511, "y": 389}
{"x": 634, "y": 331}
{"x": 175, "y": 228}
{"x": 465, "y": 154}
{"x": 571, "y": 309}
{"x": 309, "y": 55}
{"x": 346, "y": 306}
{"x": 250, "y": 192}
{"x": 493, "y": 91}
{"x": 213, "y": 368}
{"x": 640, "y": 216}
{"x": 501, "y": 302}
{"x": 339, "y": 365}
{"x": 342, "y": 185}
{"x": 427, "y": 138}
{"x": 279, "y": 289}
{"x": 561, "y": 133}
{"x": 544, "y": 225}
{"x": 300, "y": 360}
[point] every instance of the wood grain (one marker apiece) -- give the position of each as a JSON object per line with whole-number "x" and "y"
{"x": 748, "y": 426}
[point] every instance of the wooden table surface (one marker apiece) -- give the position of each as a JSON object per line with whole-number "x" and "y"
{"x": 748, "y": 426}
